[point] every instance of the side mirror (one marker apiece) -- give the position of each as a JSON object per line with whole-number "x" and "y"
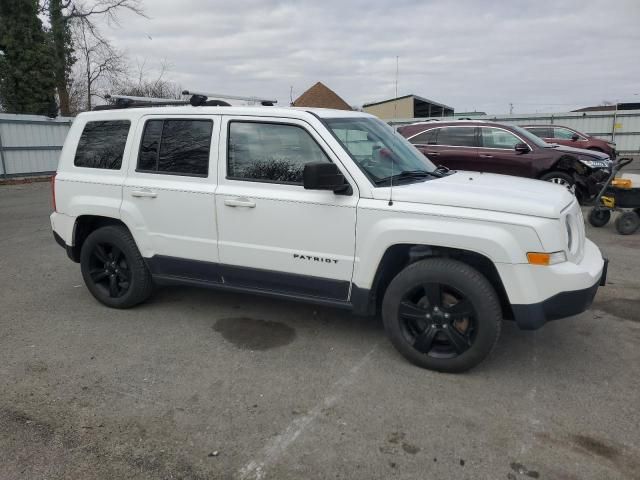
{"x": 521, "y": 148}
{"x": 324, "y": 176}
{"x": 575, "y": 137}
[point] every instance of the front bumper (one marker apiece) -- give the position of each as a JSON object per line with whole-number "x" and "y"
{"x": 540, "y": 294}
{"x": 562, "y": 305}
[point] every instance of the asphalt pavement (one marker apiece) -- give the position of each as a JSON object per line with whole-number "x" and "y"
{"x": 197, "y": 384}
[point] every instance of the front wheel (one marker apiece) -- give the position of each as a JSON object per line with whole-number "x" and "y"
{"x": 561, "y": 178}
{"x": 113, "y": 269}
{"x": 442, "y": 314}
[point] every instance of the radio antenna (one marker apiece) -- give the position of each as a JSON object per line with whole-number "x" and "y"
{"x": 395, "y": 112}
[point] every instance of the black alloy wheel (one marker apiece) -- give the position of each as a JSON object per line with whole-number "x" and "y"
{"x": 442, "y": 314}
{"x": 437, "y": 320}
{"x": 113, "y": 269}
{"x": 109, "y": 270}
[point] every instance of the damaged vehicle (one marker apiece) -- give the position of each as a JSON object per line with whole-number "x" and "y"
{"x": 510, "y": 150}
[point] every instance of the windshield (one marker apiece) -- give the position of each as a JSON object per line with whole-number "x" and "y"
{"x": 530, "y": 137}
{"x": 378, "y": 150}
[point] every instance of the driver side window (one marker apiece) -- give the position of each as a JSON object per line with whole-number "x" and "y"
{"x": 270, "y": 152}
{"x": 563, "y": 133}
{"x": 497, "y": 138}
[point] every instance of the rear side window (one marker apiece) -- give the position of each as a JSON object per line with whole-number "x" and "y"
{"x": 457, "y": 136}
{"x": 425, "y": 138}
{"x": 542, "y": 132}
{"x": 270, "y": 152}
{"x": 176, "y": 147}
{"x": 102, "y": 144}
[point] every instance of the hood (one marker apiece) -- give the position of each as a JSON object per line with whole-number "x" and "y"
{"x": 485, "y": 191}
{"x": 581, "y": 152}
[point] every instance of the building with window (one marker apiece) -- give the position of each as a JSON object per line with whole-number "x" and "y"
{"x": 408, "y": 106}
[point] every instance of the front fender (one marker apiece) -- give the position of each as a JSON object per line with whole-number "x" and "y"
{"x": 465, "y": 229}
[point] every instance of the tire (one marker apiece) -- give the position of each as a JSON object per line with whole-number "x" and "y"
{"x": 460, "y": 332}
{"x": 599, "y": 218}
{"x": 560, "y": 178}
{"x": 627, "y": 223}
{"x": 113, "y": 269}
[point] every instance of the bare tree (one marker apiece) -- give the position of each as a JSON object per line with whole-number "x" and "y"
{"x": 61, "y": 14}
{"x": 101, "y": 64}
{"x": 149, "y": 83}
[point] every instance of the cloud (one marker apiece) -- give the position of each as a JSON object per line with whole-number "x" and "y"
{"x": 541, "y": 56}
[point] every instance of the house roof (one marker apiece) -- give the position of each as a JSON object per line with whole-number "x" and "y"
{"x": 321, "y": 96}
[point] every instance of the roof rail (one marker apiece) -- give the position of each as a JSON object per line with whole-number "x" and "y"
{"x": 199, "y": 98}
{"x": 130, "y": 101}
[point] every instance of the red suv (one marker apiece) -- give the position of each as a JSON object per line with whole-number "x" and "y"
{"x": 572, "y": 138}
{"x": 511, "y": 150}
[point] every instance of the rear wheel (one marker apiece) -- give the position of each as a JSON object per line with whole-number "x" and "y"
{"x": 599, "y": 218}
{"x": 627, "y": 223}
{"x": 441, "y": 314}
{"x": 113, "y": 269}
{"x": 561, "y": 178}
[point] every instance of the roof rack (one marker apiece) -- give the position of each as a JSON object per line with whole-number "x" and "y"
{"x": 200, "y": 98}
{"x": 130, "y": 101}
{"x": 196, "y": 99}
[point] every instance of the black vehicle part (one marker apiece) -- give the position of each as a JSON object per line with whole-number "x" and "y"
{"x": 598, "y": 217}
{"x": 442, "y": 314}
{"x": 113, "y": 269}
{"x": 627, "y": 223}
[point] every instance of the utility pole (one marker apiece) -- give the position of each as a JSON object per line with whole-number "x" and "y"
{"x": 510, "y": 108}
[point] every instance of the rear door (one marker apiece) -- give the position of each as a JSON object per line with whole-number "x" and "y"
{"x": 168, "y": 195}
{"x": 497, "y": 153}
{"x": 456, "y": 147}
{"x": 273, "y": 234}
{"x": 427, "y": 142}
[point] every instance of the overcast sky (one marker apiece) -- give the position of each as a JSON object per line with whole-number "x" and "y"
{"x": 542, "y": 56}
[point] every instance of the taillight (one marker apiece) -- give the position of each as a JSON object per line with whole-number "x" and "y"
{"x": 53, "y": 191}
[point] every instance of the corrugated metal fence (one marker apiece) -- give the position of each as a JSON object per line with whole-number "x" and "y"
{"x": 30, "y": 144}
{"x": 622, "y": 127}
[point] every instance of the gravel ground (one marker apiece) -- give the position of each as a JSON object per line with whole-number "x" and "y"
{"x": 197, "y": 384}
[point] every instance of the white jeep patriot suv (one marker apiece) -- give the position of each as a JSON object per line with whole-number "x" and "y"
{"x": 323, "y": 206}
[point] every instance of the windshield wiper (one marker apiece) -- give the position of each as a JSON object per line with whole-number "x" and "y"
{"x": 407, "y": 174}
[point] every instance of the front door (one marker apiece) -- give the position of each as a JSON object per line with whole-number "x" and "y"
{"x": 273, "y": 234}
{"x": 497, "y": 153}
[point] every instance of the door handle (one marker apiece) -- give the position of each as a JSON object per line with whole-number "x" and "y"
{"x": 485, "y": 156}
{"x": 240, "y": 202}
{"x": 144, "y": 193}
{"x": 433, "y": 154}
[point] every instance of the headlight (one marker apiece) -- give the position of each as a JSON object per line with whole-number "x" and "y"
{"x": 596, "y": 163}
